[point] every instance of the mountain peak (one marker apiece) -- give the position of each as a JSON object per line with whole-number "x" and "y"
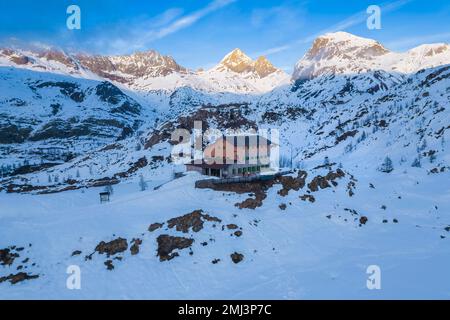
{"x": 430, "y": 50}
{"x": 338, "y": 52}
{"x": 149, "y": 63}
{"x": 264, "y": 67}
{"x": 345, "y": 53}
{"x": 343, "y": 36}
{"x": 239, "y": 62}
{"x": 342, "y": 44}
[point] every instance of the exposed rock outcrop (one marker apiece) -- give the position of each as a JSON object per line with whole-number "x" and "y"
{"x": 166, "y": 244}
{"x": 112, "y": 247}
{"x": 237, "y": 257}
{"x": 193, "y": 220}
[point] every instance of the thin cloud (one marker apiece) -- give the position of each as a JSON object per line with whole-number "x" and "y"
{"x": 142, "y": 33}
{"x": 273, "y": 50}
{"x": 351, "y": 21}
{"x": 407, "y": 43}
{"x": 188, "y": 20}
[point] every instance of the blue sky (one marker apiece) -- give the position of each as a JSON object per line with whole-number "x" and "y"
{"x": 198, "y": 33}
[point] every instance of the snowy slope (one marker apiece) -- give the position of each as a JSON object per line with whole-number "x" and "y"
{"x": 309, "y": 250}
{"x": 313, "y": 242}
{"x": 49, "y": 118}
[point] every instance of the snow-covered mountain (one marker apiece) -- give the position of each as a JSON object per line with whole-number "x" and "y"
{"x": 240, "y": 73}
{"x": 344, "y": 53}
{"x": 365, "y": 129}
{"x": 341, "y": 78}
{"x": 151, "y": 71}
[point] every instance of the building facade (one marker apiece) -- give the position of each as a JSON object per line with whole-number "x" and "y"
{"x": 235, "y": 156}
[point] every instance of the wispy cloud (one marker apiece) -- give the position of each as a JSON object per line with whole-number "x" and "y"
{"x": 351, "y": 21}
{"x": 186, "y": 20}
{"x": 407, "y": 43}
{"x": 139, "y": 35}
{"x": 286, "y": 15}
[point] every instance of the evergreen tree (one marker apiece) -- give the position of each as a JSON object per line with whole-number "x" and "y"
{"x": 387, "y": 165}
{"x": 416, "y": 163}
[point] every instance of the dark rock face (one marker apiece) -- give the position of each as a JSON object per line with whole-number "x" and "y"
{"x": 258, "y": 188}
{"x": 59, "y": 56}
{"x": 127, "y": 108}
{"x": 7, "y": 257}
{"x": 139, "y": 164}
{"x": 148, "y": 64}
{"x": 308, "y": 197}
{"x": 13, "y": 134}
{"x": 237, "y": 257}
{"x": 32, "y": 168}
{"x": 112, "y": 247}
{"x": 252, "y": 203}
{"x": 42, "y": 116}
{"x": 107, "y": 92}
{"x": 134, "y": 249}
{"x": 291, "y": 183}
{"x": 21, "y": 60}
{"x": 155, "y": 226}
{"x": 282, "y": 206}
{"x": 363, "y": 220}
{"x": 11, "y": 188}
{"x": 224, "y": 117}
{"x": 18, "y": 277}
{"x": 76, "y": 253}
{"x": 317, "y": 182}
{"x": 193, "y": 220}
{"x": 347, "y": 134}
{"x": 68, "y": 89}
{"x": 289, "y": 113}
{"x": 324, "y": 182}
{"x": 109, "y": 265}
{"x": 238, "y": 233}
{"x": 64, "y": 129}
{"x": 166, "y": 244}
{"x": 232, "y": 226}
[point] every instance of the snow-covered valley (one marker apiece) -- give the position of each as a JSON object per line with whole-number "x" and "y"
{"x": 367, "y": 143}
{"x": 308, "y": 250}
